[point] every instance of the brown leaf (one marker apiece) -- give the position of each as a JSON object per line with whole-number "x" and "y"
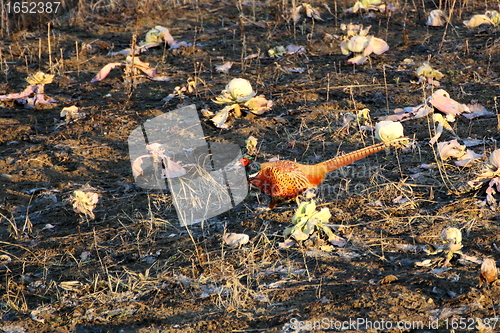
{"x": 489, "y": 272}
{"x": 388, "y": 279}
{"x": 259, "y": 104}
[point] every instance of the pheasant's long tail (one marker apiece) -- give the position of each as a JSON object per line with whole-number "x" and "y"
{"x": 357, "y": 155}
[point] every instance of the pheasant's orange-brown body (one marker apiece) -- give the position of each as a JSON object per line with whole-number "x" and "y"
{"x": 284, "y": 180}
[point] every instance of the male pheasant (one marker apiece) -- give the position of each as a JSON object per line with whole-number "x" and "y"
{"x": 284, "y": 180}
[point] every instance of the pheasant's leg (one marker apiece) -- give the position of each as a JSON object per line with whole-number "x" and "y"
{"x": 274, "y": 202}
{"x": 307, "y": 195}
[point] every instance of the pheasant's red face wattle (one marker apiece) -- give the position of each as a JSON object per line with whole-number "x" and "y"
{"x": 244, "y": 161}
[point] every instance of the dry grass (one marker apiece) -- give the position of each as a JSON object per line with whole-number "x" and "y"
{"x": 77, "y": 12}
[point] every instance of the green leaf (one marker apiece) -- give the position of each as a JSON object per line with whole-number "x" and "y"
{"x": 310, "y": 208}
{"x": 306, "y": 219}
{"x": 323, "y": 215}
{"x": 329, "y": 233}
{"x": 300, "y": 212}
{"x": 309, "y": 226}
{"x": 301, "y": 223}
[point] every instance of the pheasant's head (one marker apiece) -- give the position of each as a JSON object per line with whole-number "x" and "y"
{"x": 252, "y": 168}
